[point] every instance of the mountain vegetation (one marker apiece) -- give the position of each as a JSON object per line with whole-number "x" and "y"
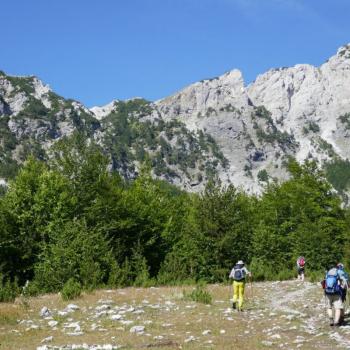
{"x": 69, "y": 222}
{"x": 140, "y": 193}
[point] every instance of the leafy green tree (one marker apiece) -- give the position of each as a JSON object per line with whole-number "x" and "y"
{"x": 300, "y": 217}
{"x": 224, "y": 220}
{"x": 20, "y": 238}
{"x": 76, "y": 252}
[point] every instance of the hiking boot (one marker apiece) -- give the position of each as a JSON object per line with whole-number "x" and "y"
{"x": 234, "y": 305}
{"x": 331, "y": 322}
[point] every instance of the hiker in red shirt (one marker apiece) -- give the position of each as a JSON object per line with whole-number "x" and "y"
{"x": 301, "y": 268}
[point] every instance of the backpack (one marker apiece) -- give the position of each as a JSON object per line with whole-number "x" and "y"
{"x": 301, "y": 261}
{"x": 238, "y": 273}
{"x": 332, "y": 285}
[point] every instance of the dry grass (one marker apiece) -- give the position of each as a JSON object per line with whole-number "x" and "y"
{"x": 166, "y": 327}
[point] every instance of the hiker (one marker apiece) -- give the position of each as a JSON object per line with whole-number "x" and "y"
{"x": 301, "y": 268}
{"x": 334, "y": 285}
{"x": 344, "y": 290}
{"x": 238, "y": 274}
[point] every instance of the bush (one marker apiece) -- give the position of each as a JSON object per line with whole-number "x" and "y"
{"x": 71, "y": 289}
{"x": 316, "y": 276}
{"x": 263, "y": 175}
{"x": 199, "y": 295}
{"x": 8, "y": 290}
{"x": 172, "y": 271}
{"x": 121, "y": 276}
{"x": 285, "y": 274}
{"x": 265, "y": 272}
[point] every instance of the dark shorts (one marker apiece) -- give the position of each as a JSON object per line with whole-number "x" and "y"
{"x": 301, "y": 270}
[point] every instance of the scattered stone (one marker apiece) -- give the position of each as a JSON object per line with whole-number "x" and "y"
{"x": 190, "y": 339}
{"x": 102, "y": 307}
{"x": 166, "y": 325}
{"x": 75, "y": 334}
{"x": 116, "y": 317}
{"x": 62, "y": 313}
{"x": 275, "y": 336}
{"x": 137, "y": 329}
{"x": 137, "y": 312}
{"x": 107, "y": 302}
{"x": 32, "y": 327}
{"x": 206, "y": 332}
{"x": 45, "y": 312}
{"x": 47, "y": 339}
{"x": 52, "y": 323}
{"x": 267, "y": 343}
{"x": 72, "y": 307}
{"x": 158, "y": 337}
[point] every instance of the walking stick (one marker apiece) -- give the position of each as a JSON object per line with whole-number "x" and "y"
{"x": 251, "y": 286}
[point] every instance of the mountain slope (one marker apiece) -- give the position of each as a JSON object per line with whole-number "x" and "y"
{"x": 215, "y": 127}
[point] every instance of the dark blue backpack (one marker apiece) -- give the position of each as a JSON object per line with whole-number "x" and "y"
{"x": 332, "y": 283}
{"x": 239, "y": 275}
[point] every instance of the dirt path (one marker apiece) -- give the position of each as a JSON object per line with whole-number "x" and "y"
{"x": 300, "y": 307}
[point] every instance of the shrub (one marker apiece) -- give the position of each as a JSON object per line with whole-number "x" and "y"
{"x": 121, "y": 276}
{"x": 8, "y": 290}
{"x": 285, "y": 274}
{"x": 345, "y": 119}
{"x": 172, "y": 271}
{"x": 315, "y": 276}
{"x": 71, "y": 289}
{"x": 263, "y": 176}
{"x": 263, "y": 271}
{"x": 199, "y": 295}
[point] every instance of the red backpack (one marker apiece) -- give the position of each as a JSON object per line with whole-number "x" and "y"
{"x": 301, "y": 261}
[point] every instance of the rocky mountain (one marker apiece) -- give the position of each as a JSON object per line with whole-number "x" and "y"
{"x": 215, "y": 127}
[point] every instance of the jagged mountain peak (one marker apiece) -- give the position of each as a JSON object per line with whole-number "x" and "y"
{"x": 101, "y": 111}
{"x": 301, "y": 111}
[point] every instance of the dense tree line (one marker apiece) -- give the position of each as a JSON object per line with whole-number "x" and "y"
{"x": 72, "y": 219}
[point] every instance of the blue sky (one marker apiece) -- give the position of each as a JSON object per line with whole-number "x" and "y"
{"x": 96, "y": 51}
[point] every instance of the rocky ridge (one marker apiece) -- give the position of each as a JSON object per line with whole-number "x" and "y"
{"x": 215, "y": 127}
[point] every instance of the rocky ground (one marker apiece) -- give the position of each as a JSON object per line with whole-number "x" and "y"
{"x": 286, "y": 315}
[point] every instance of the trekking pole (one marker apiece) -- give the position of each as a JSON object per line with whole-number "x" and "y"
{"x": 229, "y": 292}
{"x": 251, "y": 285}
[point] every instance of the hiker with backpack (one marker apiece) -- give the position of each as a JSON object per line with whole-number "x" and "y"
{"x": 238, "y": 274}
{"x": 334, "y": 284}
{"x": 344, "y": 290}
{"x": 301, "y": 268}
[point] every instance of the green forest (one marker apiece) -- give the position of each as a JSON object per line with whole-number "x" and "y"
{"x": 71, "y": 223}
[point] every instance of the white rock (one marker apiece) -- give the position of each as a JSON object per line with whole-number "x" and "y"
{"x": 52, "y": 323}
{"x": 137, "y": 329}
{"x": 47, "y": 339}
{"x": 275, "y": 336}
{"x": 190, "y": 339}
{"x": 72, "y": 307}
{"x": 45, "y": 312}
{"x": 116, "y": 317}
{"x": 102, "y": 307}
{"x": 126, "y": 322}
